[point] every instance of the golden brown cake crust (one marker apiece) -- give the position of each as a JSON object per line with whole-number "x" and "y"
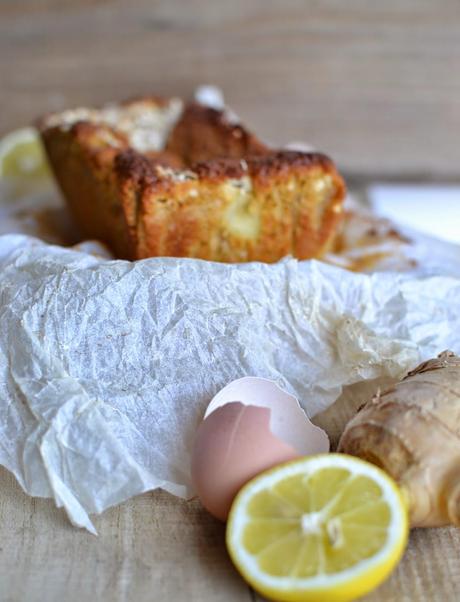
{"x": 245, "y": 208}
{"x": 203, "y": 133}
{"x": 278, "y": 163}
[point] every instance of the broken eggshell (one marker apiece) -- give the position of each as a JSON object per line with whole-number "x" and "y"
{"x": 249, "y": 426}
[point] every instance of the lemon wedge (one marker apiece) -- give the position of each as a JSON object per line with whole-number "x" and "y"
{"x": 325, "y": 527}
{"x": 22, "y": 157}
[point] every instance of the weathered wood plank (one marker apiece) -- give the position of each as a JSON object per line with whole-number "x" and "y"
{"x": 156, "y": 547}
{"x": 377, "y": 85}
{"x": 153, "y": 547}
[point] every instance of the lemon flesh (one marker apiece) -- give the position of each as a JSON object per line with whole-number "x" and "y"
{"x": 22, "y": 156}
{"x": 327, "y": 527}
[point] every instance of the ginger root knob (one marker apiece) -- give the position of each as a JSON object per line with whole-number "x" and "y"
{"x": 412, "y": 431}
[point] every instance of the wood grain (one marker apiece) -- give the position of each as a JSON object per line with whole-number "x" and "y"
{"x": 156, "y": 547}
{"x": 375, "y": 84}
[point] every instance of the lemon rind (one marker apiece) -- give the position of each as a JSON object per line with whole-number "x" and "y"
{"x": 381, "y": 562}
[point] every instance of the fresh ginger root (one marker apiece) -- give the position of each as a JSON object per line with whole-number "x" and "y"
{"x": 412, "y": 431}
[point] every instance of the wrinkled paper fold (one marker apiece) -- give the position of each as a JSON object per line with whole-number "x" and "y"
{"x": 106, "y": 367}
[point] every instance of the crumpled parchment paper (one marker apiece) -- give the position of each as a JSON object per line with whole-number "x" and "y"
{"x": 106, "y": 367}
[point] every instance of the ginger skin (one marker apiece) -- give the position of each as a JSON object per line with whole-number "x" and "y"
{"x": 412, "y": 431}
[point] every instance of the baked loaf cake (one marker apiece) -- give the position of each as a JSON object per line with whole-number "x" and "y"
{"x": 154, "y": 177}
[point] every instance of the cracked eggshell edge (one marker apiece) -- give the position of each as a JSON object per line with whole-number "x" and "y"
{"x": 288, "y": 421}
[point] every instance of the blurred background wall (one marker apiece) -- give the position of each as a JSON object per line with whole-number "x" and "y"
{"x": 376, "y": 84}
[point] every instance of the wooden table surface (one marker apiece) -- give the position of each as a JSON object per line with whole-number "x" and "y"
{"x": 377, "y": 85}
{"x": 158, "y": 548}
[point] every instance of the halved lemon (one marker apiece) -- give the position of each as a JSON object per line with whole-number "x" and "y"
{"x": 22, "y": 156}
{"x": 326, "y": 527}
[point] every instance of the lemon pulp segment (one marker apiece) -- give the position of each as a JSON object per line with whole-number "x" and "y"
{"x": 22, "y": 156}
{"x": 328, "y": 525}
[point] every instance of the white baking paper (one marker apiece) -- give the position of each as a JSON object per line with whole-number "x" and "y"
{"x": 106, "y": 367}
